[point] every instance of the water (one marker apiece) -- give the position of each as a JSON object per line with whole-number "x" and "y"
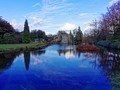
{"x": 59, "y": 67}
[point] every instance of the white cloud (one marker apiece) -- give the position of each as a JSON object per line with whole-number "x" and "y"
{"x": 48, "y": 13}
{"x": 87, "y": 23}
{"x": 68, "y": 26}
{"x": 36, "y": 20}
{"x": 37, "y": 4}
{"x": 112, "y": 2}
{"x": 17, "y": 25}
{"x": 47, "y": 33}
{"x": 47, "y": 16}
{"x": 69, "y": 54}
{"x": 83, "y": 14}
{"x": 88, "y": 28}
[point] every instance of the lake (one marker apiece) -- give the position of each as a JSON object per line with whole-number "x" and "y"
{"x": 60, "y": 67}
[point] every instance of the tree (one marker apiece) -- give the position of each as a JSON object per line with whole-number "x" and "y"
{"x": 78, "y": 36}
{"x": 108, "y": 28}
{"x": 116, "y": 35}
{"x": 70, "y": 38}
{"x": 5, "y": 31}
{"x": 5, "y": 27}
{"x": 26, "y": 35}
{"x": 111, "y": 21}
{"x": 37, "y": 34}
{"x": 8, "y": 38}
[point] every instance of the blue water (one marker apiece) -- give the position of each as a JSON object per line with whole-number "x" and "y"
{"x": 57, "y": 67}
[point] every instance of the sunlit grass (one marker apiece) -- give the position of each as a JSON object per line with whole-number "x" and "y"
{"x": 17, "y": 46}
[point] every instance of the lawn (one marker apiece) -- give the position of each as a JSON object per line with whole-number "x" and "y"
{"x": 18, "y": 46}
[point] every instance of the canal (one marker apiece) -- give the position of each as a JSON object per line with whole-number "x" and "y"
{"x": 60, "y": 67}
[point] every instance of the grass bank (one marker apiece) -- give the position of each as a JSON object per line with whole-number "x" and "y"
{"x": 110, "y": 44}
{"x": 20, "y": 47}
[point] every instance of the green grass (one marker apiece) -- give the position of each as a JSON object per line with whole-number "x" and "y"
{"x": 116, "y": 80}
{"x": 110, "y": 44}
{"x": 18, "y": 46}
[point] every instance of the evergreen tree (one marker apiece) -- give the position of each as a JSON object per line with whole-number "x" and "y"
{"x": 71, "y": 38}
{"x": 78, "y": 36}
{"x": 26, "y": 35}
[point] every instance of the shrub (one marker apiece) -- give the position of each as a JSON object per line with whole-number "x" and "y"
{"x": 110, "y": 44}
{"x": 87, "y": 48}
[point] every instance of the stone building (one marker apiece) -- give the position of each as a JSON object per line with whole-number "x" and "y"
{"x": 62, "y": 37}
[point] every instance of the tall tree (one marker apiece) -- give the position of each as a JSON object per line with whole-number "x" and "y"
{"x": 78, "y": 36}
{"x": 70, "y": 38}
{"x": 26, "y": 35}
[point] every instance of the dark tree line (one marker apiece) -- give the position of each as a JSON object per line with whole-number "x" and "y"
{"x": 108, "y": 27}
{"x": 9, "y": 35}
{"x": 34, "y": 35}
{"x": 76, "y": 36}
{"x": 110, "y": 23}
{"x": 37, "y": 35}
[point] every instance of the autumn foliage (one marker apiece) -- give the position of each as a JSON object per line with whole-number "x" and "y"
{"x": 87, "y": 48}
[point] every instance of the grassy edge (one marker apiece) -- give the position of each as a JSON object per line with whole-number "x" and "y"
{"x": 21, "y": 47}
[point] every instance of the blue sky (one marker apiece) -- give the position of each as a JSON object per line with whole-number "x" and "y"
{"x": 53, "y": 15}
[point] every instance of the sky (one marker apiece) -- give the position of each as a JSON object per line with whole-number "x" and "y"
{"x": 53, "y": 15}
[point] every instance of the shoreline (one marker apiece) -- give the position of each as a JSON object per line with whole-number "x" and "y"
{"x": 7, "y": 48}
{"x": 109, "y": 44}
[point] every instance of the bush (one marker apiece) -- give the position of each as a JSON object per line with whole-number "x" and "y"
{"x": 8, "y": 38}
{"x": 115, "y": 45}
{"x": 110, "y": 44}
{"x": 87, "y": 48}
{"x": 104, "y": 43}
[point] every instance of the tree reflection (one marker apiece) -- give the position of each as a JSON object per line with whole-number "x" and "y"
{"x": 6, "y": 60}
{"x": 73, "y": 52}
{"x": 38, "y": 52}
{"x": 110, "y": 64}
{"x": 69, "y": 53}
{"x": 108, "y": 61}
{"x": 79, "y": 53}
{"x": 27, "y": 59}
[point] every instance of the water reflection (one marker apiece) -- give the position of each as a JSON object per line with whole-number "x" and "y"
{"x": 6, "y": 60}
{"x": 38, "y": 52}
{"x": 109, "y": 62}
{"x": 69, "y": 51}
{"x": 61, "y": 67}
{"x": 36, "y": 59}
{"x": 27, "y": 59}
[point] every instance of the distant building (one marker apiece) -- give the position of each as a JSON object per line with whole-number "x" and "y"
{"x": 71, "y": 38}
{"x": 62, "y": 37}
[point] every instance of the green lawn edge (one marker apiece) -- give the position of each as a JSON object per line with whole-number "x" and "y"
{"x": 10, "y": 47}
